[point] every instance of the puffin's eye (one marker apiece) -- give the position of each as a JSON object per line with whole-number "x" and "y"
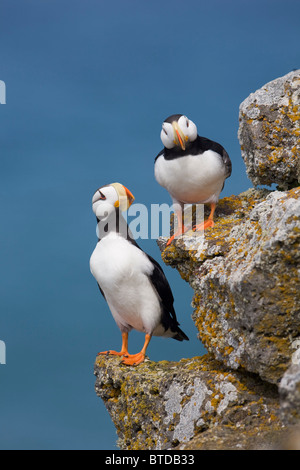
{"x": 187, "y": 122}
{"x": 102, "y": 195}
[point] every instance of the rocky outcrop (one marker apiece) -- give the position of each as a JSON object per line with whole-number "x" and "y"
{"x": 245, "y": 275}
{"x": 167, "y": 404}
{"x": 269, "y": 132}
{"x": 245, "y": 393}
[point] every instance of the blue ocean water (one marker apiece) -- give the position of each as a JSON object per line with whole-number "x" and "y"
{"x": 87, "y": 87}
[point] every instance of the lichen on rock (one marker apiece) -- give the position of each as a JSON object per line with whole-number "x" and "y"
{"x": 166, "y": 405}
{"x": 245, "y": 274}
{"x": 269, "y": 132}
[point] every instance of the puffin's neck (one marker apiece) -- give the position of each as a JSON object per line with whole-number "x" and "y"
{"x": 176, "y": 152}
{"x": 114, "y": 224}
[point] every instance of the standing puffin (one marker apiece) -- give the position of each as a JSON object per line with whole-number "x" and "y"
{"x": 132, "y": 282}
{"x": 193, "y": 169}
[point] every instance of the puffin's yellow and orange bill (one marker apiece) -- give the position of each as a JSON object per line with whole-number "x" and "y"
{"x": 126, "y": 197}
{"x": 179, "y": 137}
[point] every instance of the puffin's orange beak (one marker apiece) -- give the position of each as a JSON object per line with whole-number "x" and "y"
{"x": 179, "y": 137}
{"x": 129, "y": 195}
{"x": 126, "y": 197}
{"x": 180, "y": 140}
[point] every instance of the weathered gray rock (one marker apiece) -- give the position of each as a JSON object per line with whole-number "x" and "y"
{"x": 166, "y": 405}
{"x": 245, "y": 274}
{"x": 269, "y": 132}
{"x": 289, "y": 391}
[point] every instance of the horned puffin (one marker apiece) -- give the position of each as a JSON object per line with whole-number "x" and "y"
{"x": 132, "y": 282}
{"x": 191, "y": 168}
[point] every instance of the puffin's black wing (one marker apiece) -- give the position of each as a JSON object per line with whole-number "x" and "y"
{"x": 227, "y": 163}
{"x": 162, "y": 287}
{"x": 207, "y": 144}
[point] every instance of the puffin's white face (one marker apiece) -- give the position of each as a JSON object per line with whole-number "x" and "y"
{"x": 107, "y": 198}
{"x": 104, "y": 201}
{"x": 178, "y": 131}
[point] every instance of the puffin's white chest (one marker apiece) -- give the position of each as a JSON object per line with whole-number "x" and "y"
{"x": 122, "y": 271}
{"x": 115, "y": 258}
{"x": 192, "y": 178}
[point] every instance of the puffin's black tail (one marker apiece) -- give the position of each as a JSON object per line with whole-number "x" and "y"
{"x": 180, "y": 335}
{"x": 171, "y": 325}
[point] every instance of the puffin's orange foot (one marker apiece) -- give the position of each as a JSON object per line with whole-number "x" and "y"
{"x": 113, "y": 353}
{"x": 133, "y": 359}
{"x": 177, "y": 234}
{"x": 206, "y": 224}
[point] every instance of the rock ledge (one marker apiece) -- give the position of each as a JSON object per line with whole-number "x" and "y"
{"x": 195, "y": 403}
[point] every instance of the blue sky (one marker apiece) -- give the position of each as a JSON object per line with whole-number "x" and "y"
{"x": 88, "y": 86}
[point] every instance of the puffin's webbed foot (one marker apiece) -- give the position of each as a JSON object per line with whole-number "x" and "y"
{"x": 124, "y": 348}
{"x": 206, "y": 224}
{"x": 178, "y": 233}
{"x": 133, "y": 359}
{"x": 113, "y": 353}
{"x": 209, "y": 222}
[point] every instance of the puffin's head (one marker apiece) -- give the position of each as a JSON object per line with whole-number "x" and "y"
{"x": 178, "y": 130}
{"x": 110, "y": 197}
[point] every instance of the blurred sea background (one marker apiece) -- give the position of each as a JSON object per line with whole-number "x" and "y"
{"x": 88, "y": 85}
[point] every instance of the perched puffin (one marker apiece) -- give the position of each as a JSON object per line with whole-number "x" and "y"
{"x": 132, "y": 282}
{"x": 191, "y": 168}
